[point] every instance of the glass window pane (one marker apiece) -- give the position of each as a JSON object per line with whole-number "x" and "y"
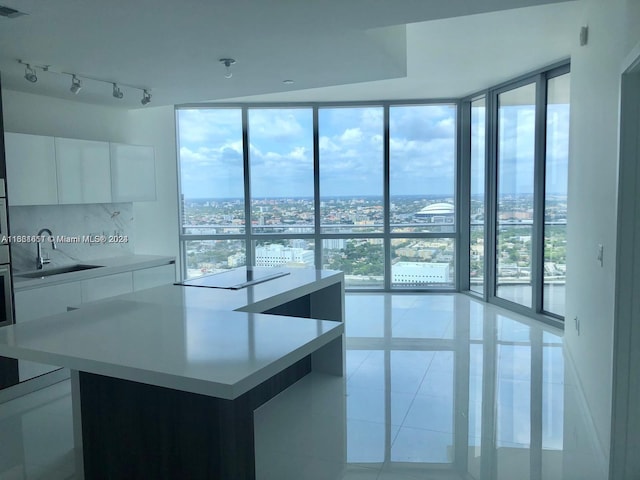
{"x": 555, "y": 202}
{"x": 211, "y": 171}
{"x": 351, "y": 161}
{"x": 477, "y": 204}
{"x": 204, "y": 257}
{"x": 281, "y": 170}
{"x": 361, "y": 260}
{"x": 418, "y": 262}
{"x": 296, "y": 252}
{"x": 516, "y": 142}
{"x": 422, "y": 157}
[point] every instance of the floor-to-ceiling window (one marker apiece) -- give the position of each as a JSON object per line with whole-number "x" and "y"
{"x": 477, "y": 197}
{"x": 373, "y": 188}
{"x": 555, "y": 199}
{"x": 212, "y": 208}
{"x": 366, "y": 189}
{"x": 517, "y": 156}
{"x": 514, "y": 199}
{"x": 422, "y": 188}
{"x": 351, "y": 184}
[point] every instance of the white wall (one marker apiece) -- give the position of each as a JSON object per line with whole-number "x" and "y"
{"x": 595, "y": 90}
{"x": 156, "y": 222}
{"x": 40, "y": 115}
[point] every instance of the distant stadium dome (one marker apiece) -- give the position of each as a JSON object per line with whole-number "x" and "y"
{"x": 437, "y": 213}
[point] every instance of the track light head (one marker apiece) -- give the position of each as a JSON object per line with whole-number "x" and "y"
{"x": 146, "y": 97}
{"x": 76, "y": 85}
{"x": 30, "y": 74}
{"x": 117, "y": 93}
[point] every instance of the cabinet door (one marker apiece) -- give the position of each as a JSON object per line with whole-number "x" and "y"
{"x": 31, "y": 169}
{"x": 83, "y": 171}
{"x": 133, "y": 173}
{"x": 39, "y": 303}
{"x": 107, "y": 286}
{"x": 153, "y": 277}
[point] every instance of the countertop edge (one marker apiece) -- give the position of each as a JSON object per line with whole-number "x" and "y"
{"x": 110, "y": 266}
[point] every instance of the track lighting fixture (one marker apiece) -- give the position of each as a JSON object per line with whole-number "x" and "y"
{"x": 146, "y": 97}
{"x": 76, "y": 85}
{"x": 117, "y": 93}
{"x": 78, "y": 80}
{"x": 30, "y": 74}
{"x": 227, "y": 62}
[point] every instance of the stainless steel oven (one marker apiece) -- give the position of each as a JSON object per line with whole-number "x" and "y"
{"x": 6, "y": 298}
{"x": 4, "y": 226}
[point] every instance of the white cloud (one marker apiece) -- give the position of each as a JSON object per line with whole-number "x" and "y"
{"x": 351, "y": 135}
{"x": 279, "y": 124}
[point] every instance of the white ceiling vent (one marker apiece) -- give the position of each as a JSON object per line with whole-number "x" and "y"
{"x": 10, "y": 12}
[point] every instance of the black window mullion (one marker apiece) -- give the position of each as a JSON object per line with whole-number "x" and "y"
{"x": 316, "y": 189}
{"x": 491, "y": 194}
{"x": 537, "y": 250}
{"x": 249, "y": 252}
{"x": 386, "y": 201}
{"x": 463, "y": 199}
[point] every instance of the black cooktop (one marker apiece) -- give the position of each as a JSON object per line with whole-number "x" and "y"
{"x": 234, "y": 279}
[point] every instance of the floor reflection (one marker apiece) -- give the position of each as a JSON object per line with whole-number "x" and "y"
{"x": 451, "y": 387}
{"x": 436, "y": 387}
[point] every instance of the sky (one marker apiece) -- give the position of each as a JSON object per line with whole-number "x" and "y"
{"x": 422, "y": 151}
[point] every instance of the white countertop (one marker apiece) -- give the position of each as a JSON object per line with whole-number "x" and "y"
{"x": 255, "y": 298}
{"x": 179, "y": 346}
{"x": 181, "y": 337}
{"x": 108, "y": 266}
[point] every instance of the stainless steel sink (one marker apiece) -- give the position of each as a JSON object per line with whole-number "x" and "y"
{"x": 48, "y": 272}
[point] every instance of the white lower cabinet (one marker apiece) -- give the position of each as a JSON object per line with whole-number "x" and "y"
{"x": 38, "y": 303}
{"x": 154, "y": 277}
{"x": 107, "y": 286}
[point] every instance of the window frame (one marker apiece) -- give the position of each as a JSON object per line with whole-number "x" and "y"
{"x": 462, "y": 190}
{"x": 386, "y": 235}
{"x": 540, "y": 77}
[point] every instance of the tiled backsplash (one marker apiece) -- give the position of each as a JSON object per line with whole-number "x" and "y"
{"x": 82, "y": 232}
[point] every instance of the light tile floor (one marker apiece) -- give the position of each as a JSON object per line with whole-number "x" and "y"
{"x": 436, "y": 387}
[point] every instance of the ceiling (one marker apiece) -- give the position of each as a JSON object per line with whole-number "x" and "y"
{"x": 333, "y": 50}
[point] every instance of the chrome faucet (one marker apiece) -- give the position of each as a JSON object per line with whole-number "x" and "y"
{"x": 40, "y": 261}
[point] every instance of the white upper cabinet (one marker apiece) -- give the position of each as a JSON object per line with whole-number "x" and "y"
{"x": 84, "y": 171}
{"x": 133, "y": 173}
{"x": 45, "y": 170}
{"x": 31, "y": 169}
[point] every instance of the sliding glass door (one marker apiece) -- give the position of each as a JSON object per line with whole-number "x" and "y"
{"x": 514, "y": 199}
{"x": 477, "y": 200}
{"x": 515, "y": 165}
{"x": 555, "y": 199}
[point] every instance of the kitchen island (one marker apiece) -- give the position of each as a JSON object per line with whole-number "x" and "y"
{"x": 165, "y": 381}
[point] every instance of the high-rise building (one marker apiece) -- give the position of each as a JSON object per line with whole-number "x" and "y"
{"x": 418, "y": 273}
{"x": 273, "y": 255}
